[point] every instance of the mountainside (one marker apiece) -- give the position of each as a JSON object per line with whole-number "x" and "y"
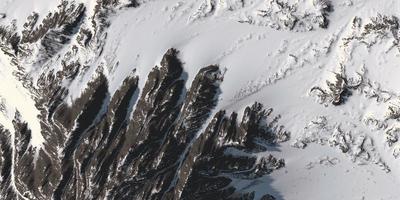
{"x": 199, "y": 99}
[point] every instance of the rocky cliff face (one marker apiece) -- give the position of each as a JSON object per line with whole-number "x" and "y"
{"x": 162, "y": 141}
{"x": 140, "y": 99}
{"x": 157, "y": 143}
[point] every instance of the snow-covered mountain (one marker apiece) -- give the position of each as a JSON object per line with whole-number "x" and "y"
{"x": 199, "y": 99}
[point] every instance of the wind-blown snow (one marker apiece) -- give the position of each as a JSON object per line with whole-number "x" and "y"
{"x": 19, "y": 10}
{"x": 278, "y": 69}
{"x": 15, "y": 98}
{"x": 275, "y": 67}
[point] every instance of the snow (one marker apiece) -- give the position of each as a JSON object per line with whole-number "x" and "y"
{"x": 275, "y": 67}
{"x": 305, "y": 177}
{"x": 13, "y": 98}
{"x": 16, "y": 98}
{"x": 19, "y": 10}
{"x": 273, "y": 63}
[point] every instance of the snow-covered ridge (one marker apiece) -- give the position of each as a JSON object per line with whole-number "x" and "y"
{"x": 328, "y": 69}
{"x": 16, "y": 98}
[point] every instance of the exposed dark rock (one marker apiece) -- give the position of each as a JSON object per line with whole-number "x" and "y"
{"x": 161, "y": 144}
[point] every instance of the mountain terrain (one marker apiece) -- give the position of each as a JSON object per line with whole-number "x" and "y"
{"x": 199, "y": 99}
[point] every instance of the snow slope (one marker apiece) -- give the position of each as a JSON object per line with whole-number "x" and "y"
{"x": 268, "y": 62}
{"x": 16, "y": 98}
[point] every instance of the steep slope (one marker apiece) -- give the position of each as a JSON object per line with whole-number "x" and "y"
{"x": 211, "y": 99}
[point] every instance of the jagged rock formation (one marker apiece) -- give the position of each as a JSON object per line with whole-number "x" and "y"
{"x": 276, "y": 14}
{"x": 140, "y": 99}
{"x": 119, "y": 146}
